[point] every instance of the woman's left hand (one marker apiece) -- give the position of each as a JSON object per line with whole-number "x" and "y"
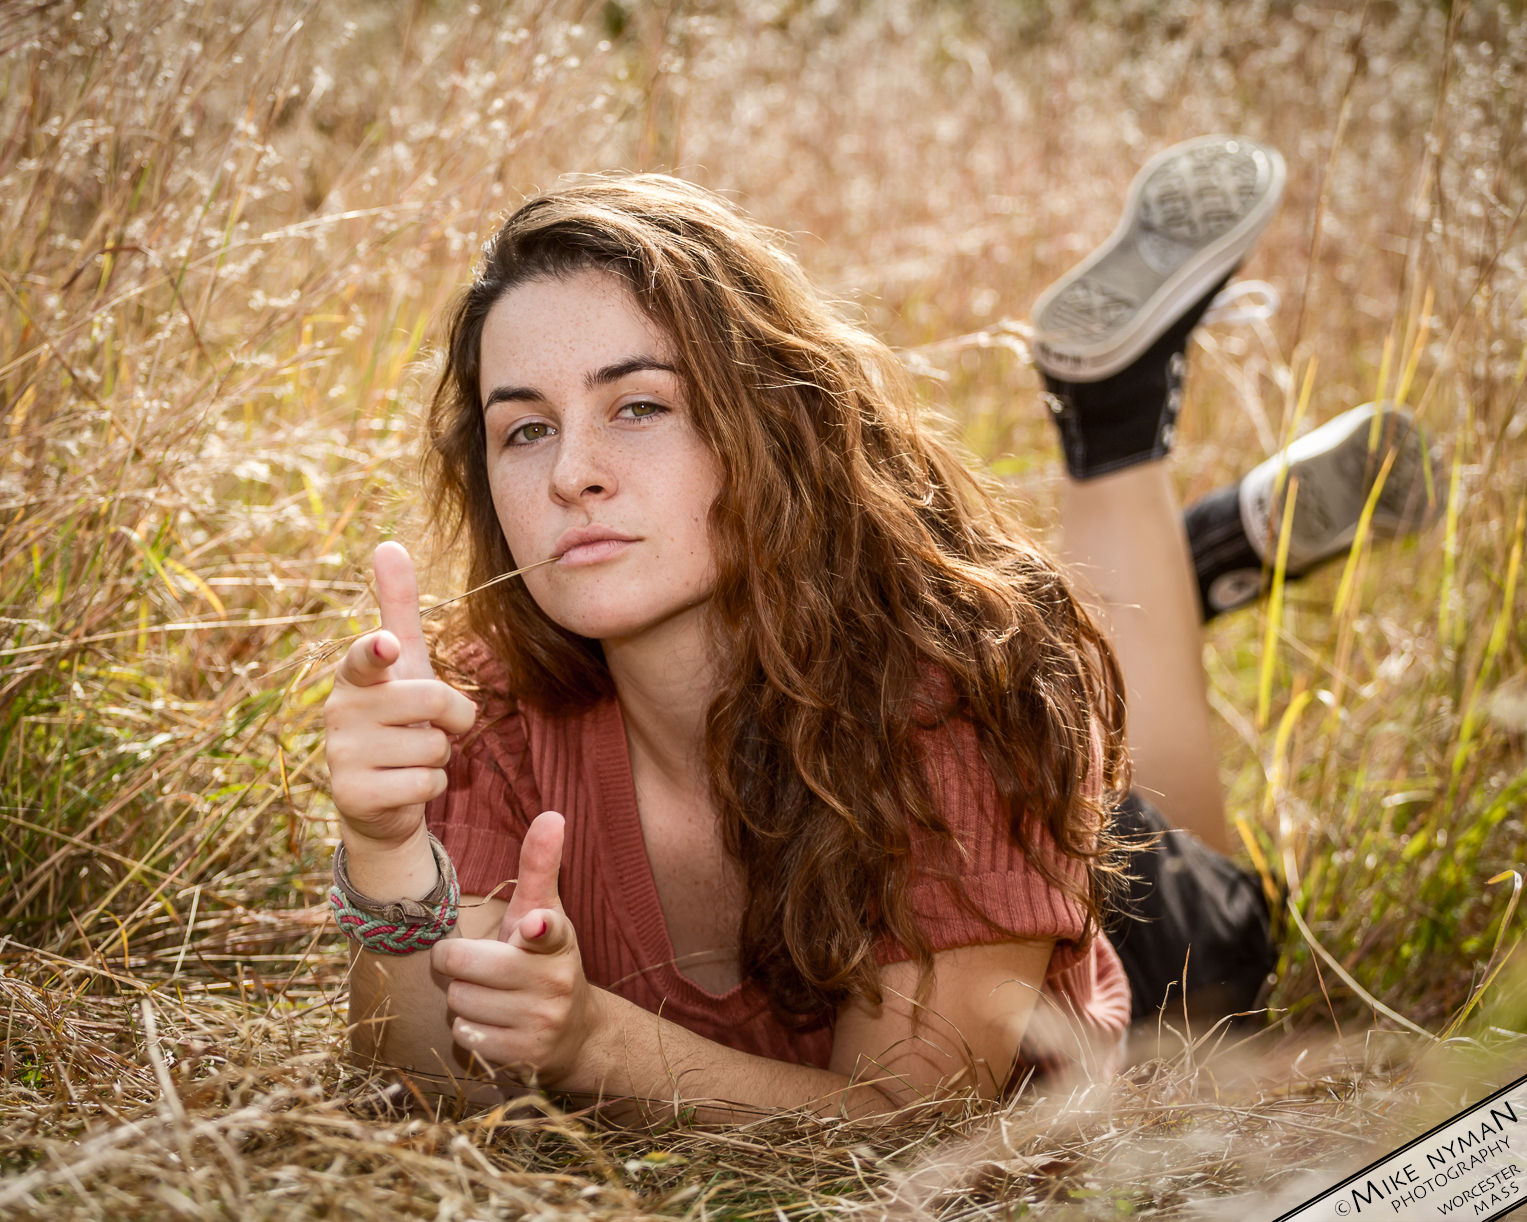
{"x": 521, "y": 1002}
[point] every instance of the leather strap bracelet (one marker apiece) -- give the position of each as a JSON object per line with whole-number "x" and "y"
{"x": 396, "y": 927}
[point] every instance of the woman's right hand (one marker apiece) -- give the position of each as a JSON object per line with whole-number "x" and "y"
{"x": 388, "y": 717}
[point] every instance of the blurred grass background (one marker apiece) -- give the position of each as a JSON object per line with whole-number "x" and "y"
{"x": 227, "y": 232}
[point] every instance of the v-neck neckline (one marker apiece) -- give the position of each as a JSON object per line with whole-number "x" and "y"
{"x": 626, "y": 860}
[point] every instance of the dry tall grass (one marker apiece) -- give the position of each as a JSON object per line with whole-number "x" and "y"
{"x": 228, "y": 230}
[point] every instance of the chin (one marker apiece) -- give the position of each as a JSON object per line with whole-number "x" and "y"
{"x": 616, "y": 620}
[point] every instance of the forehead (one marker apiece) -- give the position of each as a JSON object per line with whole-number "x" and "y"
{"x": 553, "y": 330}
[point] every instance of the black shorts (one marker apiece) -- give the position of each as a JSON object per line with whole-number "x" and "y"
{"x": 1187, "y": 915}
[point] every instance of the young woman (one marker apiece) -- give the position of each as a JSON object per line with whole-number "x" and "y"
{"x": 796, "y": 776}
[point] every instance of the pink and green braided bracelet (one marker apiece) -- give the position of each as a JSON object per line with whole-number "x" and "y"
{"x": 396, "y": 927}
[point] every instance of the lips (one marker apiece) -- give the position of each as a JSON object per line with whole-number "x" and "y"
{"x": 590, "y": 544}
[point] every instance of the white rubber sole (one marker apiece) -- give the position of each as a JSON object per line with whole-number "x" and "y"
{"x": 1335, "y": 466}
{"x": 1192, "y": 213}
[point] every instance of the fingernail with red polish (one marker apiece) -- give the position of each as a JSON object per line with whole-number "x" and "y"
{"x": 541, "y": 933}
{"x": 376, "y": 648}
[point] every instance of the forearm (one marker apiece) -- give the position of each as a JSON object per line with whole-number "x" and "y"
{"x": 884, "y": 1058}
{"x": 398, "y": 1015}
{"x": 660, "y": 1067}
{"x": 644, "y": 1064}
{"x": 398, "y": 1010}
{"x": 504, "y": 1002}
{"x": 400, "y": 1019}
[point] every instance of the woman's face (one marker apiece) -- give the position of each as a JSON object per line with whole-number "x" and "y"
{"x": 592, "y": 458}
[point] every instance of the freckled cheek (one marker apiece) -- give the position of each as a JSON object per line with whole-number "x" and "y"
{"x": 701, "y": 500}
{"x": 515, "y": 521}
{"x": 685, "y": 541}
{"x": 700, "y": 533}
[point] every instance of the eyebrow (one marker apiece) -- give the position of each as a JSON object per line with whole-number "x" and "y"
{"x": 603, "y": 376}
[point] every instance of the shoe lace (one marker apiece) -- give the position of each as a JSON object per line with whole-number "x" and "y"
{"x": 1243, "y": 301}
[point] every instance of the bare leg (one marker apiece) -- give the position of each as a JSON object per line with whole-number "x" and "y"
{"x": 1123, "y": 539}
{"x": 1110, "y": 338}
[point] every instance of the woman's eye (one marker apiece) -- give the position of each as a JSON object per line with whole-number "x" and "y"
{"x": 642, "y": 409}
{"x": 526, "y": 433}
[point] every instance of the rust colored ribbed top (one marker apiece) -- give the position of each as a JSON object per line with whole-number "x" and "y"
{"x": 518, "y": 762}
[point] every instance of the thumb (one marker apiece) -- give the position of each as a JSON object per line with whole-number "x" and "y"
{"x": 540, "y": 860}
{"x": 397, "y": 595}
{"x": 542, "y": 932}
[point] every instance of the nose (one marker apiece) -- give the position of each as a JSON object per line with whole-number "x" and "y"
{"x": 582, "y": 468}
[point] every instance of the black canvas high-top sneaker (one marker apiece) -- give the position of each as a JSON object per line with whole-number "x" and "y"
{"x": 1110, "y": 334}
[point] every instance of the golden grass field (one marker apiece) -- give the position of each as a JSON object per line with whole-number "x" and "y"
{"x": 227, "y": 233}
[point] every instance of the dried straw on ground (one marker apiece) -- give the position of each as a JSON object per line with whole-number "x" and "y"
{"x": 209, "y": 1102}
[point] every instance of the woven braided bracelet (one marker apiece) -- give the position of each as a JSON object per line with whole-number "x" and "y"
{"x": 396, "y": 927}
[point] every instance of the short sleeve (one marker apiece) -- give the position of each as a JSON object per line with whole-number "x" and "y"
{"x": 1086, "y": 992}
{"x": 999, "y": 880}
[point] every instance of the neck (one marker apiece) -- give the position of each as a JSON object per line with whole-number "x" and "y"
{"x": 665, "y": 681}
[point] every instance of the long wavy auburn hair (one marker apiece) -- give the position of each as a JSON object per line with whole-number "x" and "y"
{"x": 867, "y": 587}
